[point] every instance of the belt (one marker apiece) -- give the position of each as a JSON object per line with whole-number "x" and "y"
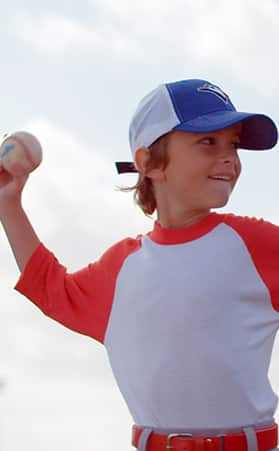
{"x": 251, "y": 439}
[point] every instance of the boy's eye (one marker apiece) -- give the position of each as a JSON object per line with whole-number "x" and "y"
{"x": 208, "y": 140}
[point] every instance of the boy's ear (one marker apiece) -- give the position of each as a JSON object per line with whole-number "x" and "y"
{"x": 142, "y": 156}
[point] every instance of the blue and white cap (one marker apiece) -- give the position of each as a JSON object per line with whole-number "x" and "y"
{"x": 194, "y": 106}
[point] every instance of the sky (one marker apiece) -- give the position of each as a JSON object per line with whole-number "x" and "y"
{"x": 72, "y": 74}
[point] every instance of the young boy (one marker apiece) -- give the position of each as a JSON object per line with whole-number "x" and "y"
{"x": 188, "y": 313}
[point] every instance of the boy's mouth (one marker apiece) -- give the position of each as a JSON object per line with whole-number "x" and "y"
{"x": 223, "y": 177}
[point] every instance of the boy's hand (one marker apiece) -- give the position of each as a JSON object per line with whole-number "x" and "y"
{"x": 10, "y": 188}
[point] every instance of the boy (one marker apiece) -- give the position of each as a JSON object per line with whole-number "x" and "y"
{"x": 188, "y": 313}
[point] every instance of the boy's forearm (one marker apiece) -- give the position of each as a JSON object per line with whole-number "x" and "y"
{"x": 20, "y": 233}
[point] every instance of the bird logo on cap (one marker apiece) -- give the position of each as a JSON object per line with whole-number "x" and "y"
{"x": 207, "y": 87}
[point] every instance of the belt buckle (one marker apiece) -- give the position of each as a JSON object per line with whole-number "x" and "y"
{"x": 171, "y": 436}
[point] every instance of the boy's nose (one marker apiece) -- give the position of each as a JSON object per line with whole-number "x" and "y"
{"x": 228, "y": 155}
{"x": 229, "y": 158}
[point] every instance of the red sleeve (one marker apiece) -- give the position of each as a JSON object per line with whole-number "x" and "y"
{"x": 82, "y": 300}
{"x": 262, "y": 241}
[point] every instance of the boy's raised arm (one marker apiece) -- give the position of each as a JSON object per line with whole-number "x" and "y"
{"x": 19, "y": 231}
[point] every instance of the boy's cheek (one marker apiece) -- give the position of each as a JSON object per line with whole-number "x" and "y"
{"x": 238, "y": 166}
{"x": 238, "y": 169}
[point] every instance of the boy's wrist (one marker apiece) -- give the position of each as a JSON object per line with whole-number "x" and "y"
{"x": 10, "y": 207}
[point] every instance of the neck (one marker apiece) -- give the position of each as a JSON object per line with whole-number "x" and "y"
{"x": 177, "y": 220}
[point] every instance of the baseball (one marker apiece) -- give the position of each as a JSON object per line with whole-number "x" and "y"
{"x": 20, "y": 153}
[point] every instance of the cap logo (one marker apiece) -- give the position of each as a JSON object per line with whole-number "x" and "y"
{"x": 207, "y": 87}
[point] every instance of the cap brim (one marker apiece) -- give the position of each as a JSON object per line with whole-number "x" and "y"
{"x": 259, "y": 131}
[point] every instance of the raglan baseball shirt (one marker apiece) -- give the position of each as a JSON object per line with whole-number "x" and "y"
{"x": 188, "y": 318}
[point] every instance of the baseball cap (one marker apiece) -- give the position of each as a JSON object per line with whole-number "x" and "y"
{"x": 195, "y": 106}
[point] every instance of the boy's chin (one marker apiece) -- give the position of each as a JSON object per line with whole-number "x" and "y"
{"x": 219, "y": 203}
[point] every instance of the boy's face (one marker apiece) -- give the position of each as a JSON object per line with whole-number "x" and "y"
{"x": 203, "y": 168}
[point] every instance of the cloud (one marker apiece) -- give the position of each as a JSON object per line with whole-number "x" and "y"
{"x": 239, "y": 40}
{"x": 65, "y": 415}
{"x": 242, "y": 37}
{"x": 56, "y": 34}
{"x": 138, "y": 10}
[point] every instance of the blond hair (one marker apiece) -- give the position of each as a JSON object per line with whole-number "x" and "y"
{"x": 144, "y": 195}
